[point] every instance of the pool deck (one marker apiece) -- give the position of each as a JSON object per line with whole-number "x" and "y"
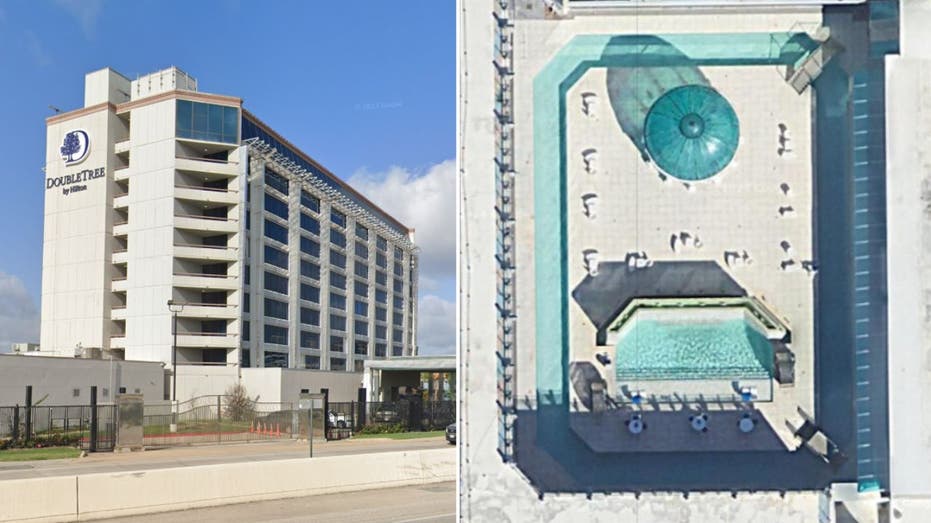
{"x": 737, "y": 210}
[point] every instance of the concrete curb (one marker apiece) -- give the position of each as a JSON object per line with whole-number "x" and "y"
{"x": 107, "y": 495}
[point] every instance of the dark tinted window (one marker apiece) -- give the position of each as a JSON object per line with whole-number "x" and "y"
{"x": 276, "y": 206}
{"x": 276, "y": 283}
{"x": 276, "y": 232}
{"x": 275, "y": 334}
{"x": 276, "y": 257}
{"x": 276, "y": 309}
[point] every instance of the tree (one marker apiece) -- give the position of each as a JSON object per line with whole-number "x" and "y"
{"x": 72, "y": 145}
{"x": 239, "y": 406}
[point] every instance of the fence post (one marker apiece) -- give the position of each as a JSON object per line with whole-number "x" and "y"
{"x": 93, "y": 442}
{"x": 219, "y": 418}
{"x": 326, "y": 414}
{"x": 362, "y": 410}
{"x": 16, "y": 422}
{"x": 28, "y": 435}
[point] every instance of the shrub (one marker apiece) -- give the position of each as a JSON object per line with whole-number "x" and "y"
{"x": 383, "y": 428}
{"x": 239, "y": 406}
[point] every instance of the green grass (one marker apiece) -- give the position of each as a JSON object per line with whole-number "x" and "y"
{"x": 403, "y": 435}
{"x": 39, "y": 454}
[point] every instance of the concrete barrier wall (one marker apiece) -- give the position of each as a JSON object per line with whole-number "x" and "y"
{"x": 39, "y": 500}
{"x": 95, "y": 496}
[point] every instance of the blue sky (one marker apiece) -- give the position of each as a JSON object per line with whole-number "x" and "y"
{"x": 367, "y": 88}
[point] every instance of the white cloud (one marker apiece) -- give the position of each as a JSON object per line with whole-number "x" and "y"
{"x": 425, "y": 202}
{"x": 19, "y": 317}
{"x": 436, "y": 326}
{"x": 85, "y": 12}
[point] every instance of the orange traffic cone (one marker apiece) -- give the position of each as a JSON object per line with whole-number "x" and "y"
{"x": 252, "y": 426}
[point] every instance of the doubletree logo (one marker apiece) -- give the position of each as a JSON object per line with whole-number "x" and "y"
{"x": 74, "y": 147}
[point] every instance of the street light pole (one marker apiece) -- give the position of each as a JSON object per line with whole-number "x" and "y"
{"x": 175, "y": 308}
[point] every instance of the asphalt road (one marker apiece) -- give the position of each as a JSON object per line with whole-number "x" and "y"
{"x": 416, "y": 504}
{"x": 206, "y": 455}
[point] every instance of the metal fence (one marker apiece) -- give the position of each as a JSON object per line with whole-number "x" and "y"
{"x": 217, "y": 419}
{"x": 61, "y": 425}
{"x": 409, "y": 414}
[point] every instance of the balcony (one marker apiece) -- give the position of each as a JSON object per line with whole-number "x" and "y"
{"x": 206, "y": 165}
{"x": 206, "y": 223}
{"x": 194, "y": 251}
{"x": 121, "y": 173}
{"x": 121, "y": 147}
{"x": 206, "y": 194}
{"x": 118, "y": 312}
{"x": 218, "y": 311}
{"x": 118, "y": 341}
{"x": 118, "y": 284}
{"x": 120, "y": 256}
{"x": 120, "y": 228}
{"x": 121, "y": 201}
{"x": 205, "y": 281}
{"x": 207, "y": 340}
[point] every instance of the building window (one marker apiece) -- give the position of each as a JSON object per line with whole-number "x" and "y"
{"x": 276, "y": 206}
{"x": 310, "y": 270}
{"x": 398, "y": 269}
{"x": 310, "y": 317}
{"x": 337, "y": 301}
{"x": 336, "y": 344}
{"x": 311, "y": 362}
{"x": 381, "y": 296}
{"x": 310, "y": 293}
{"x": 398, "y": 286}
{"x": 276, "y": 283}
{"x": 398, "y": 254}
{"x": 337, "y": 237}
{"x": 381, "y": 260}
{"x": 246, "y": 302}
{"x": 397, "y": 350}
{"x": 362, "y": 288}
{"x": 358, "y": 365}
{"x": 398, "y": 302}
{"x": 361, "y": 308}
{"x": 397, "y": 336}
{"x": 276, "y": 181}
{"x": 276, "y": 309}
{"x": 337, "y": 281}
{"x": 338, "y": 259}
{"x": 362, "y": 250}
{"x": 208, "y": 122}
{"x": 310, "y": 340}
{"x": 246, "y": 333}
{"x": 338, "y": 218}
{"x": 310, "y": 225}
{"x": 310, "y": 201}
{"x": 381, "y": 314}
{"x": 381, "y": 350}
{"x": 360, "y": 327}
{"x": 245, "y": 358}
{"x": 381, "y": 243}
{"x": 337, "y": 322}
{"x": 337, "y": 363}
{"x": 361, "y": 269}
{"x": 276, "y": 257}
{"x": 397, "y": 318}
{"x": 277, "y": 335}
{"x": 276, "y": 359}
{"x": 381, "y": 332}
{"x": 361, "y": 232}
{"x": 310, "y": 247}
{"x": 381, "y": 278}
{"x": 247, "y": 275}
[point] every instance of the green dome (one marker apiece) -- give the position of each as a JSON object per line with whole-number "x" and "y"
{"x": 691, "y": 132}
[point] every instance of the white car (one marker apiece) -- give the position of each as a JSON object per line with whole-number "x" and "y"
{"x": 338, "y": 419}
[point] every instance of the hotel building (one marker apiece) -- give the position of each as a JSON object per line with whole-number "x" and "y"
{"x": 156, "y": 192}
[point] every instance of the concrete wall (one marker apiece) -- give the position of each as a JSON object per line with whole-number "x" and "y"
{"x": 95, "y": 496}
{"x": 270, "y": 385}
{"x": 55, "y": 379}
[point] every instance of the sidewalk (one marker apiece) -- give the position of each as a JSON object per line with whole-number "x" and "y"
{"x": 207, "y": 455}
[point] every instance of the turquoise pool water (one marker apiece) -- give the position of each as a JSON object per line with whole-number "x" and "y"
{"x": 653, "y": 349}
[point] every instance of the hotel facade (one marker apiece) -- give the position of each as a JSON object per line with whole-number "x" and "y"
{"x": 157, "y": 193}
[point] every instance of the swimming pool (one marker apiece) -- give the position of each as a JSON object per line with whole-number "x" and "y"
{"x": 662, "y": 345}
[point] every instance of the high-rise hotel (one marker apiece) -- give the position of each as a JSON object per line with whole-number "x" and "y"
{"x": 155, "y": 192}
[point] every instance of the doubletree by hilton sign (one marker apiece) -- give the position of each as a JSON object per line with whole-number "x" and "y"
{"x": 74, "y": 150}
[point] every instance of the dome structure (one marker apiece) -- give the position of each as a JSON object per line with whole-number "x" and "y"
{"x": 691, "y": 132}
